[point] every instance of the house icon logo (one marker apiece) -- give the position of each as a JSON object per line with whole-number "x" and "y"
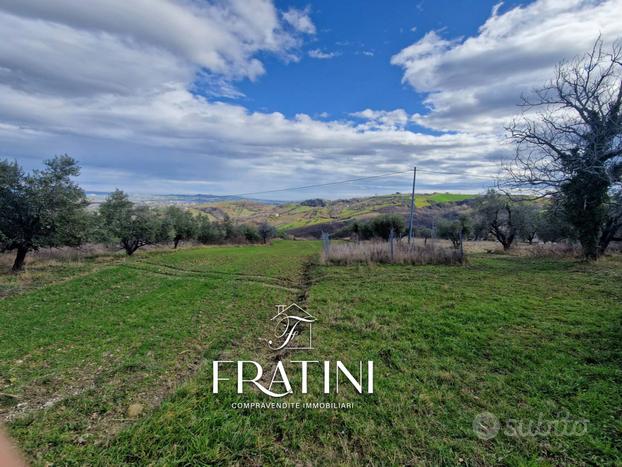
{"x": 293, "y": 328}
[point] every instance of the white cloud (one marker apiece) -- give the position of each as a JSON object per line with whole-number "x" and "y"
{"x": 319, "y": 54}
{"x": 110, "y": 82}
{"x": 103, "y": 39}
{"x": 173, "y": 141}
{"x": 300, "y": 20}
{"x": 475, "y": 83}
{"x": 383, "y": 119}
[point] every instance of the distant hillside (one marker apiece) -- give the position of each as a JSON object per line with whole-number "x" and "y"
{"x": 309, "y": 218}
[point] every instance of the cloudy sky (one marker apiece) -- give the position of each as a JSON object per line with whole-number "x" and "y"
{"x": 227, "y": 97}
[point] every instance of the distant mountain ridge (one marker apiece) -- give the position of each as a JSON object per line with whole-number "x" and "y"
{"x": 174, "y": 198}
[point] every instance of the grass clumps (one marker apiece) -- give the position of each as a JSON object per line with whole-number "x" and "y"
{"x": 381, "y": 252}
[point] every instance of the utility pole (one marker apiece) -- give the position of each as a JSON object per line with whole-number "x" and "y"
{"x": 412, "y": 207}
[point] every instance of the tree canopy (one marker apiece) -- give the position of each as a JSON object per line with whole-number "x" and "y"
{"x": 133, "y": 226}
{"x": 44, "y": 208}
{"x": 181, "y": 223}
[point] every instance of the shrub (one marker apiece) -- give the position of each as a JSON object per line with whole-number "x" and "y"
{"x": 210, "y": 232}
{"x": 381, "y": 226}
{"x": 250, "y": 233}
{"x": 555, "y": 250}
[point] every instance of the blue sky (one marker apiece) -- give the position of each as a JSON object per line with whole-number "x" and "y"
{"x": 235, "y": 96}
{"x": 354, "y": 79}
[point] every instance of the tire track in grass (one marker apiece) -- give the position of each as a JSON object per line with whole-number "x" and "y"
{"x": 115, "y": 386}
{"x": 261, "y": 278}
{"x": 304, "y": 286}
{"x": 198, "y": 274}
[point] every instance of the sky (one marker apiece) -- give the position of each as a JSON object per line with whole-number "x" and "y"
{"x": 240, "y": 96}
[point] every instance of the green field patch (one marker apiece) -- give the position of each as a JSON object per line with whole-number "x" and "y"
{"x": 526, "y": 339}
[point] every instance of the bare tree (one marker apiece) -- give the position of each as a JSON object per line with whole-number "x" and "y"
{"x": 569, "y": 140}
{"x": 494, "y": 215}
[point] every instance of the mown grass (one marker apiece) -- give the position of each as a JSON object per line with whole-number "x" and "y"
{"x": 523, "y": 338}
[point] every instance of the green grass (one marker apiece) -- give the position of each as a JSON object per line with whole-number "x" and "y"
{"x": 448, "y": 197}
{"x": 521, "y": 338}
{"x": 44, "y": 272}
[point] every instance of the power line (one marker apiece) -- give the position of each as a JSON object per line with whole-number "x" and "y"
{"x": 389, "y": 174}
{"x": 321, "y": 184}
{"x": 483, "y": 177}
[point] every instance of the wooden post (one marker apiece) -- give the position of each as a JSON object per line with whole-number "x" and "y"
{"x": 326, "y": 243}
{"x": 412, "y": 207}
{"x": 461, "y": 247}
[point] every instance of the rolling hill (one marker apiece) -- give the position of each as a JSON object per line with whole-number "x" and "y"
{"x": 310, "y": 217}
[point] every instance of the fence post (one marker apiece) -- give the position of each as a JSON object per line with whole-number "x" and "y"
{"x": 461, "y": 248}
{"x": 326, "y": 243}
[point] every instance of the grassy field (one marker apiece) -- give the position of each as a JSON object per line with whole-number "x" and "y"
{"x": 525, "y": 339}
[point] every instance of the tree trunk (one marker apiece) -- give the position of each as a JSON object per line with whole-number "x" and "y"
{"x": 176, "y": 241}
{"x": 18, "y": 265}
{"x": 590, "y": 247}
{"x": 130, "y": 247}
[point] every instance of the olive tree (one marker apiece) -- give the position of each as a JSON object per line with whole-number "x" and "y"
{"x": 569, "y": 141}
{"x": 249, "y": 232}
{"x": 44, "y": 208}
{"x": 132, "y": 226}
{"x": 454, "y": 230}
{"x": 528, "y": 219}
{"x": 266, "y": 231}
{"x": 209, "y": 232}
{"x": 423, "y": 232}
{"x": 381, "y": 226}
{"x": 181, "y": 223}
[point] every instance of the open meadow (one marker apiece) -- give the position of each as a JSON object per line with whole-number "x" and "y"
{"x": 106, "y": 360}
